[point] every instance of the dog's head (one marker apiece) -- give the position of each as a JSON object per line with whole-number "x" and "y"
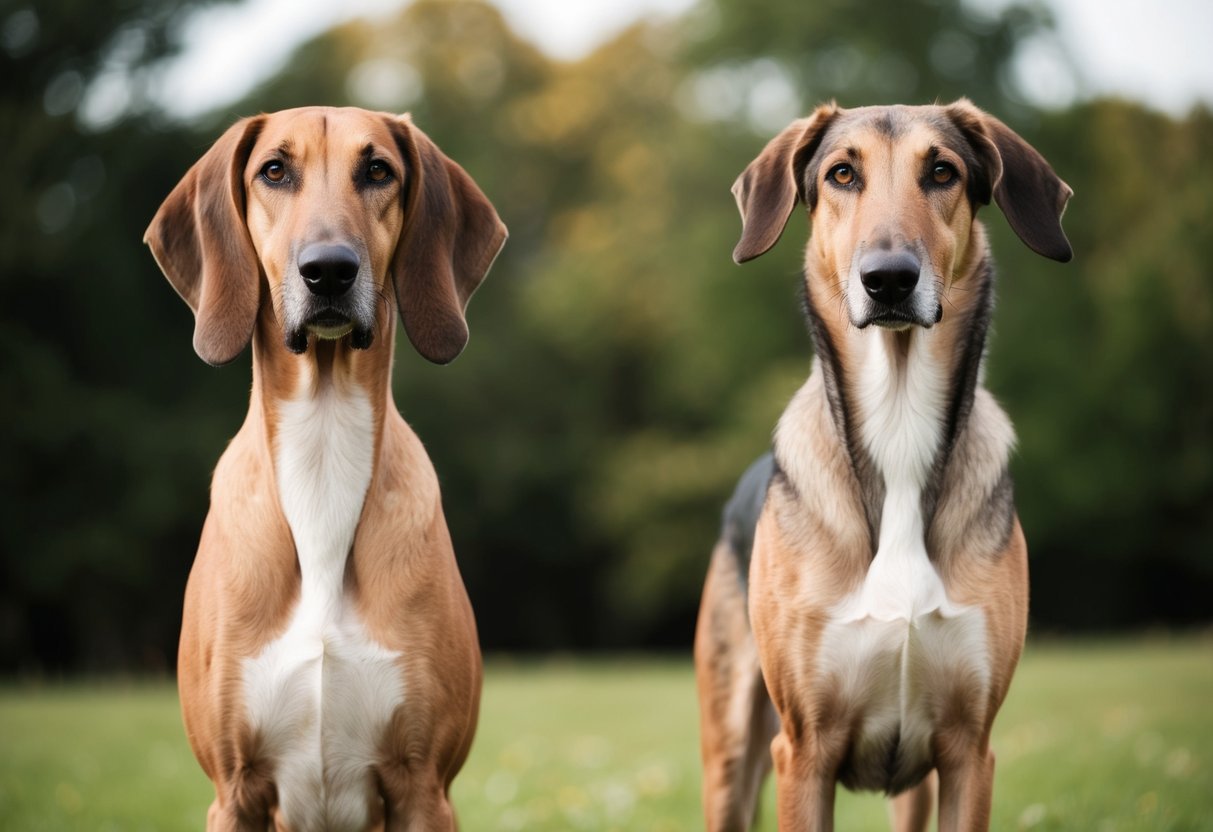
{"x": 322, "y": 212}
{"x": 892, "y": 193}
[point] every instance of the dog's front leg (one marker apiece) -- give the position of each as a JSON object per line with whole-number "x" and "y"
{"x": 804, "y": 785}
{"x": 233, "y": 818}
{"x": 966, "y": 788}
{"x": 416, "y": 800}
{"x": 910, "y": 811}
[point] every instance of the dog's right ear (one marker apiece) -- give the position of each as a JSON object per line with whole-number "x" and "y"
{"x": 767, "y": 190}
{"x": 201, "y": 243}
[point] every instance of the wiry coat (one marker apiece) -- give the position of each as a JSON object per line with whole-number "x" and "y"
{"x": 886, "y": 604}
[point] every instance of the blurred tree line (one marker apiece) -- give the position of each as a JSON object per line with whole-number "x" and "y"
{"x": 622, "y": 371}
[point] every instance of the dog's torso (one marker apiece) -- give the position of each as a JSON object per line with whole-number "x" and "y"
{"x": 307, "y": 687}
{"x": 887, "y": 651}
{"x": 321, "y": 694}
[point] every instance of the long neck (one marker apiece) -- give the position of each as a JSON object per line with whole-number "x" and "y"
{"x": 898, "y": 400}
{"x": 323, "y": 414}
{"x": 281, "y": 375}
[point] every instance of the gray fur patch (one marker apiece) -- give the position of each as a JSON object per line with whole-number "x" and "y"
{"x": 743, "y": 509}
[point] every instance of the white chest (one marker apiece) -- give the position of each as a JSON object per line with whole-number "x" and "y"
{"x": 321, "y": 695}
{"x": 895, "y": 646}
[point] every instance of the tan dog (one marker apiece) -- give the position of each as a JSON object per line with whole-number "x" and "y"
{"x": 884, "y": 609}
{"x": 329, "y": 668}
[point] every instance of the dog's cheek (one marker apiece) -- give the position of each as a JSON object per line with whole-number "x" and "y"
{"x": 955, "y": 240}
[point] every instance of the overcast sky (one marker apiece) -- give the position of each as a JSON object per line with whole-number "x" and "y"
{"x": 1158, "y": 51}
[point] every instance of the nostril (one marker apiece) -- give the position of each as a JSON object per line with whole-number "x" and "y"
{"x": 312, "y": 272}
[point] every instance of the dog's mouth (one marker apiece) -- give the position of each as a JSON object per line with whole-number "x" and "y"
{"x": 329, "y": 325}
{"x": 898, "y": 319}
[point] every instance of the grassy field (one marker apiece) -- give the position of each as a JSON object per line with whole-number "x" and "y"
{"x": 1103, "y": 736}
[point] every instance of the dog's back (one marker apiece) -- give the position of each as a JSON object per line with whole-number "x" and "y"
{"x": 741, "y": 512}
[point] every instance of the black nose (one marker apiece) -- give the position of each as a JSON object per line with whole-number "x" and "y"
{"x": 328, "y": 270}
{"x": 889, "y": 276}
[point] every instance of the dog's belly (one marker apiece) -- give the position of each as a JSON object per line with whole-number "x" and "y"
{"x": 897, "y": 653}
{"x": 319, "y": 700}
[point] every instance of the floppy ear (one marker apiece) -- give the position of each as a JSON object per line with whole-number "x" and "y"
{"x": 451, "y": 237}
{"x": 1032, "y": 197}
{"x": 201, "y": 243}
{"x": 767, "y": 190}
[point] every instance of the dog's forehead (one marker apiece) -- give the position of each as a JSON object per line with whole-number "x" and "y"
{"x": 326, "y": 131}
{"x": 910, "y": 127}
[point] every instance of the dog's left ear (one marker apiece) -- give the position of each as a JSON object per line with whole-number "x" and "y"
{"x": 1032, "y": 197}
{"x": 451, "y": 237}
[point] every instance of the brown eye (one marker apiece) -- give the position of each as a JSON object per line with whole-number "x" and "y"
{"x": 378, "y": 171}
{"x": 842, "y": 175}
{"x": 943, "y": 173}
{"x": 273, "y": 172}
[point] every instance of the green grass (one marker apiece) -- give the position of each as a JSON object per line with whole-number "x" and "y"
{"x": 1105, "y": 736}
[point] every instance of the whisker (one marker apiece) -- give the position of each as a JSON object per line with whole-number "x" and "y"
{"x": 389, "y": 309}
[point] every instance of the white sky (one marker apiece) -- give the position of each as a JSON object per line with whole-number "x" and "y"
{"x": 1158, "y": 51}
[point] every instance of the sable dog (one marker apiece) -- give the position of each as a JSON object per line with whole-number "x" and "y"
{"x": 871, "y": 577}
{"x": 329, "y": 668}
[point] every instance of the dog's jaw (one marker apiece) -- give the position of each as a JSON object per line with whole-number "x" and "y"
{"x": 360, "y": 338}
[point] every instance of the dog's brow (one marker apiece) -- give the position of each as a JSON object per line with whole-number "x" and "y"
{"x": 947, "y": 136}
{"x": 853, "y": 152}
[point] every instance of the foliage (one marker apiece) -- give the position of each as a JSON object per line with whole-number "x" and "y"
{"x": 1103, "y": 365}
{"x": 621, "y": 371}
{"x": 1083, "y": 742}
{"x": 102, "y": 493}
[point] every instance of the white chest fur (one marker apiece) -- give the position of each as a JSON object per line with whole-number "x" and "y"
{"x": 897, "y": 644}
{"x": 320, "y": 696}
